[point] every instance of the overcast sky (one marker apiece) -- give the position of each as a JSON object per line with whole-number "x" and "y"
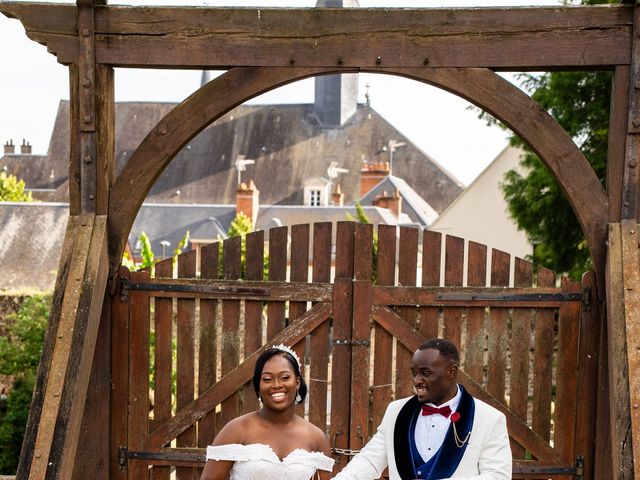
{"x": 32, "y": 84}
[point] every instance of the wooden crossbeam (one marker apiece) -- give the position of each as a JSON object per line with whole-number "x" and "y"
{"x": 216, "y": 38}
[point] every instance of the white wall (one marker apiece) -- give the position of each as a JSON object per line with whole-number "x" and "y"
{"x": 480, "y": 211}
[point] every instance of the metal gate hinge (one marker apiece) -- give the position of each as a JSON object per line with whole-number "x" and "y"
{"x": 124, "y": 289}
{"x": 122, "y": 458}
{"x": 352, "y": 343}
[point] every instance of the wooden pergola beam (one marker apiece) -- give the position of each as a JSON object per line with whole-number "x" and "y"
{"x": 221, "y": 38}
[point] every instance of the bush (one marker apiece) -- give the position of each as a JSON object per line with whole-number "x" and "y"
{"x": 20, "y": 351}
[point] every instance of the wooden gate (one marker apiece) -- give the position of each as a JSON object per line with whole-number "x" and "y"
{"x": 184, "y": 345}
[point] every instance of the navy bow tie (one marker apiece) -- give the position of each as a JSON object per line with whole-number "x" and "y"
{"x": 429, "y": 410}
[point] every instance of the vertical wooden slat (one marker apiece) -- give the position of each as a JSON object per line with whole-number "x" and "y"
{"x": 476, "y": 334}
{"x": 277, "y": 272}
{"x": 431, "y": 259}
{"x": 319, "y": 341}
{"x": 341, "y": 356}
{"x": 185, "y": 345}
{"x": 588, "y": 368}
{"x": 208, "y": 341}
{"x": 498, "y": 342}
{"x": 253, "y": 311}
{"x": 382, "y": 371}
{"x": 566, "y": 383}
{"x": 300, "y": 273}
{"x": 453, "y": 274}
{"x": 120, "y": 382}
{"x": 231, "y": 270}
{"x": 407, "y": 274}
{"x": 163, "y": 358}
{"x": 138, "y": 375}
{"x": 543, "y": 362}
{"x": 360, "y": 352}
{"x": 520, "y": 348}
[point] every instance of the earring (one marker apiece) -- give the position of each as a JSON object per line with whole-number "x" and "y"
{"x": 298, "y": 398}
{"x": 260, "y": 400}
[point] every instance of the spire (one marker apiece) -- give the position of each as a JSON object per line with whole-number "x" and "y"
{"x": 336, "y": 96}
{"x": 205, "y": 78}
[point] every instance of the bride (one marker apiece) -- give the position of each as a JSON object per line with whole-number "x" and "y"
{"x": 272, "y": 443}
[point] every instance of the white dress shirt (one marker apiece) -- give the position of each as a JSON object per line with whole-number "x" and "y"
{"x": 431, "y": 429}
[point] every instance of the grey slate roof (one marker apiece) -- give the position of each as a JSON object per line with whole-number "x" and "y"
{"x": 170, "y": 222}
{"x": 286, "y": 141}
{"x": 31, "y": 236}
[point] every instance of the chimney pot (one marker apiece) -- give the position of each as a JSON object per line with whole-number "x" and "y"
{"x": 9, "y": 147}
{"x": 25, "y": 148}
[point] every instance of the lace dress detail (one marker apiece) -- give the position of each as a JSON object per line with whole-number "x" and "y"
{"x": 258, "y": 461}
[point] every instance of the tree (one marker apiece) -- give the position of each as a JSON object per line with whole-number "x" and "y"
{"x": 580, "y": 102}
{"x": 20, "y": 349}
{"x": 12, "y": 189}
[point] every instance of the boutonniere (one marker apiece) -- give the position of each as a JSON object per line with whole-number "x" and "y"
{"x": 455, "y": 417}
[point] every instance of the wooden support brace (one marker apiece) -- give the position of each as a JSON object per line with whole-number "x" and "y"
{"x": 617, "y": 302}
{"x": 631, "y": 276}
{"x": 54, "y": 424}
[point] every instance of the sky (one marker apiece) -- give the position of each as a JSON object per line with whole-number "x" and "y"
{"x": 442, "y": 125}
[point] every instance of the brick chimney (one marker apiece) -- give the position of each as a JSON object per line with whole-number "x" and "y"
{"x": 337, "y": 197}
{"x": 25, "y": 148}
{"x": 247, "y": 200}
{"x": 9, "y": 147}
{"x": 392, "y": 202}
{"x": 371, "y": 174}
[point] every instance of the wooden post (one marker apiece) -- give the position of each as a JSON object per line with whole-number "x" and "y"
{"x": 63, "y": 377}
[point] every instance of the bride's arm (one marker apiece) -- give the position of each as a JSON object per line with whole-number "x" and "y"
{"x": 219, "y": 469}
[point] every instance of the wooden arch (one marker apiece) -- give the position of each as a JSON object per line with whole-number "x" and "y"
{"x": 480, "y": 86}
{"x": 269, "y": 47}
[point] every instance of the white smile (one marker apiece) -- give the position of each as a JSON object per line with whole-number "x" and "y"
{"x": 421, "y": 390}
{"x": 278, "y": 395}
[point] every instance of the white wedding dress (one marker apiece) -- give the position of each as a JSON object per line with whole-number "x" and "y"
{"x": 258, "y": 461}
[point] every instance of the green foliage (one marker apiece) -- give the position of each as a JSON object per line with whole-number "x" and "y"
{"x": 20, "y": 350}
{"x": 181, "y": 245}
{"x": 148, "y": 257}
{"x": 579, "y": 101}
{"x": 240, "y": 225}
{"x": 361, "y": 217}
{"x": 12, "y": 189}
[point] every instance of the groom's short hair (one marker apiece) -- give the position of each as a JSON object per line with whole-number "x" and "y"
{"x": 445, "y": 347}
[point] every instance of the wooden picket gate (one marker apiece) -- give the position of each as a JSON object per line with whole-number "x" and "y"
{"x": 184, "y": 346}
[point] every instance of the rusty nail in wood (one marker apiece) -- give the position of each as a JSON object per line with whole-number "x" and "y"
{"x": 163, "y": 130}
{"x": 86, "y": 32}
{"x": 425, "y": 61}
{"x": 87, "y": 119}
{"x": 632, "y": 164}
{"x": 636, "y": 122}
{"x": 60, "y": 336}
{"x": 37, "y": 455}
{"x": 292, "y": 61}
{"x": 340, "y": 62}
{"x": 626, "y": 204}
{"x": 57, "y": 394}
{"x": 632, "y": 232}
{"x": 378, "y": 60}
{"x": 87, "y": 159}
{"x": 90, "y": 197}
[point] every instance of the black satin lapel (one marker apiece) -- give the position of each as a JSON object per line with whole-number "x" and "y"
{"x": 450, "y": 455}
{"x": 401, "y": 447}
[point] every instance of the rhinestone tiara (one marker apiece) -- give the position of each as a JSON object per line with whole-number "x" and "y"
{"x": 282, "y": 347}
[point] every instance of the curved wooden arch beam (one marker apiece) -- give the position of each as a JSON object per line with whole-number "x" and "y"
{"x": 544, "y": 135}
{"x": 177, "y": 128}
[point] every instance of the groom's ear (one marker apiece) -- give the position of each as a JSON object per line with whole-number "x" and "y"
{"x": 453, "y": 370}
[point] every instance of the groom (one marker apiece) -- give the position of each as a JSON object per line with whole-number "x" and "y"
{"x": 442, "y": 432}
